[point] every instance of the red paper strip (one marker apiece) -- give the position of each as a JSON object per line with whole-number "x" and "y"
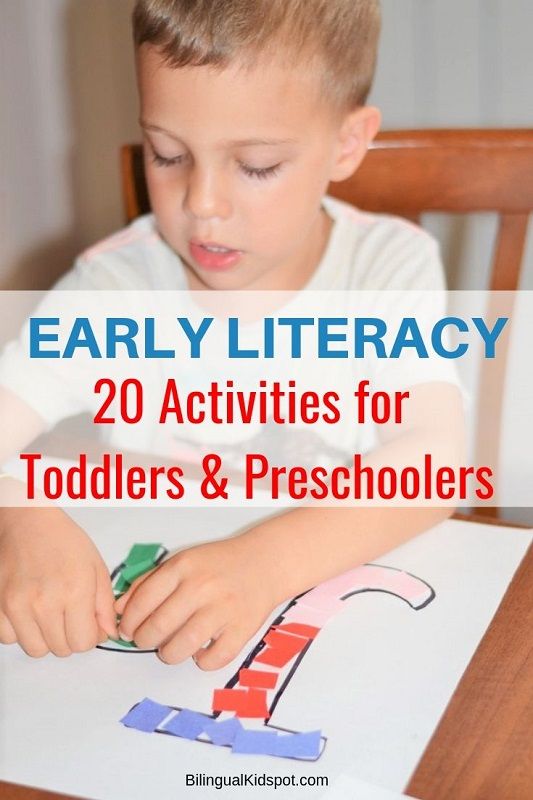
{"x": 227, "y": 699}
{"x": 281, "y": 648}
{"x": 287, "y": 641}
{"x": 255, "y": 704}
{"x": 257, "y": 678}
{"x": 244, "y": 702}
{"x": 309, "y": 631}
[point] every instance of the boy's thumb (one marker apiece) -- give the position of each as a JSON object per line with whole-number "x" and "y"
{"x": 105, "y": 613}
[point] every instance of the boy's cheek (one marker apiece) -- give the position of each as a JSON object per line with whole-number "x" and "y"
{"x": 167, "y": 207}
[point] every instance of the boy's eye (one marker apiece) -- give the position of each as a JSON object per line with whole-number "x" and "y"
{"x": 160, "y": 161}
{"x": 252, "y": 172}
{"x": 260, "y": 172}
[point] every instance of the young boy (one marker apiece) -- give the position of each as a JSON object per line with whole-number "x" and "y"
{"x": 248, "y": 111}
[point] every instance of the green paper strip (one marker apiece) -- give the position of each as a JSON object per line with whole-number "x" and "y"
{"x": 140, "y": 559}
{"x": 123, "y": 643}
{"x": 142, "y": 552}
{"x": 121, "y": 585}
{"x": 133, "y": 571}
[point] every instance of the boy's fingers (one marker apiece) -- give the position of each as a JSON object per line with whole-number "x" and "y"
{"x": 80, "y": 623}
{"x": 7, "y": 633}
{"x": 166, "y": 619}
{"x": 52, "y": 625}
{"x": 105, "y": 612}
{"x": 102, "y": 636}
{"x": 198, "y": 630}
{"x": 123, "y": 599}
{"x": 145, "y": 597}
{"x": 221, "y": 652}
{"x": 28, "y": 633}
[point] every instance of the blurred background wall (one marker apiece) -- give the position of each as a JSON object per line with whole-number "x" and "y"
{"x": 68, "y": 100}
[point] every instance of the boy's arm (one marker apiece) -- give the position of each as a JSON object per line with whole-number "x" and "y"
{"x": 319, "y": 543}
{"x": 225, "y": 590}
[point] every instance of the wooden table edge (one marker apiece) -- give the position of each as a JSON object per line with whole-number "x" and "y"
{"x": 423, "y": 777}
{"x": 482, "y": 748}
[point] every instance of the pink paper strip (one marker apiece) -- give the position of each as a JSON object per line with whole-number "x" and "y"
{"x": 368, "y": 576}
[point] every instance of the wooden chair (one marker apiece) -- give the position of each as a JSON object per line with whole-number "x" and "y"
{"x": 455, "y": 171}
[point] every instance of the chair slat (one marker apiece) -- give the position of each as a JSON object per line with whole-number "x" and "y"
{"x": 509, "y": 252}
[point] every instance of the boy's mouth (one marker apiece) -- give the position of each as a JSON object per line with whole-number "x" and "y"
{"x": 212, "y": 255}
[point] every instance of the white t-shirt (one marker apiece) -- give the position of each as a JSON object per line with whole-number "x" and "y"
{"x": 365, "y": 252}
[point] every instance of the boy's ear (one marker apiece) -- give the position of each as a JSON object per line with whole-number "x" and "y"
{"x": 357, "y": 130}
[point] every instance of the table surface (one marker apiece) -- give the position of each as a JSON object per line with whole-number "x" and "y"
{"x": 482, "y": 748}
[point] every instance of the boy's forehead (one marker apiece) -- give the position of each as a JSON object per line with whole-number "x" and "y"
{"x": 268, "y": 101}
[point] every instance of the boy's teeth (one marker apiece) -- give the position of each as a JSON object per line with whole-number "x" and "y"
{"x": 216, "y": 249}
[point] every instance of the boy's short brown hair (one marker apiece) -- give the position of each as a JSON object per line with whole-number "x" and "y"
{"x": 343, "y": 34}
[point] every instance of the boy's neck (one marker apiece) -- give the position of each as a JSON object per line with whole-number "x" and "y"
{"x": 313, "y": 255}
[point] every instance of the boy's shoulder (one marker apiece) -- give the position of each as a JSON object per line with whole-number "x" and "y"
{"x": 141, "y": 230}
{"x": 386, "y": 226}
{"x": 135, "y": 257}
{"x": 369, "y": 250}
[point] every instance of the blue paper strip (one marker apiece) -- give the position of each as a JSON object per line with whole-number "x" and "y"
{"x": 187, "y": 724}
{"x": 223, "y": 732}
{"x": 298, "y": 745}
{"x": 255, "y": 742}
{"x": 146, "y": 716}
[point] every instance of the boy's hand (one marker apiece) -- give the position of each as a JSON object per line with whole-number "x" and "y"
{"x": 222, "y": 591}
{"x": 55, "y": 590}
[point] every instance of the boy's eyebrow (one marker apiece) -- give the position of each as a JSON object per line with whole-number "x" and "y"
{"x": 229, "y": 143}
{"x": 246, "y": 142}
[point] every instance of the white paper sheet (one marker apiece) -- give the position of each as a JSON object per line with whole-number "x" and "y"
{"x": 376, "y": 680}
{"x": 346, "y": 787}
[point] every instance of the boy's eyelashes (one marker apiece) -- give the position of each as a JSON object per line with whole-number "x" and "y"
{"x": 160, "y": 161}
{"x": 252, "y": 172}
{"x": 166, "y": 162}
{"x": 260, "y": 172}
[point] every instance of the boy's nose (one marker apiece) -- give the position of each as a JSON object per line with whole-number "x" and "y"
{"x": 206, "y": 196}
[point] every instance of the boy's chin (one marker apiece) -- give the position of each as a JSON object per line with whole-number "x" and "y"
{"x": 223, "y": 281}
{"x": 232, "y": 279}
